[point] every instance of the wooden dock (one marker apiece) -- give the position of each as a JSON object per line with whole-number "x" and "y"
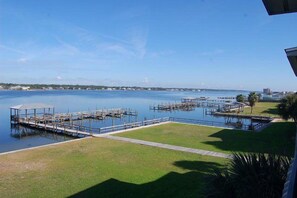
{"x": 252, "y": 117}
{"x": 74, "y": 116}
{"x": 221, "y": 103}
{"x": 42, "y": 116}
{"x": 189, "y": 104}
{"x": 186, "y": 106}
{"x": 64, "y": 122}
{"x": 207, "y": 99}
{"x": 193, "y": 99}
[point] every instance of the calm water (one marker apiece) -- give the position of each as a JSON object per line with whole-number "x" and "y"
{"x": 73, "y": 101}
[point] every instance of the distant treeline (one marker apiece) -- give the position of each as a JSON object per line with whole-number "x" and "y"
{"x": 15, "y": 86}
{"x": 81, "y": 87}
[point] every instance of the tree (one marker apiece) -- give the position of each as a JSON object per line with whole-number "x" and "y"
{"x": 253, "y": 98}
{"x": 287, "y": 109}
{"x": 240, "y": 98}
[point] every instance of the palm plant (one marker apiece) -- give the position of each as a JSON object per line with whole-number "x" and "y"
{"x": 251, "y": 175}
{"x": 253, "y": 98}
{"x": 259, "y": 175}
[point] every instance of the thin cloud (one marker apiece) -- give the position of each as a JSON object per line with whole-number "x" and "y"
{"x": 161, "y": 53}
{"x": 213, "y": 53}
{"x": 146, "y": 81}
{"x": 139, "y": 41}
{"x": 23, "y": 60}
{"x": 120, "y": 49}
{"x": 11, "y": 49}
{"x": 68, "y": 47}
{"x": 133, "y": 46}
{"x": 89, "y": 36}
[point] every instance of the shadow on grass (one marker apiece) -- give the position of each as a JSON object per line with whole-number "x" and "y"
{"x": 271, "y": 111}
{"x": 278, "y": 138}
{"x": 190, "y": 184}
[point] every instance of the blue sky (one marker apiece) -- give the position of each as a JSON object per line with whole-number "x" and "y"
{"x": 195, "y": 43}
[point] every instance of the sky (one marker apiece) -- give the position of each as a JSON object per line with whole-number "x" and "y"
{"x": 230, "y": 44}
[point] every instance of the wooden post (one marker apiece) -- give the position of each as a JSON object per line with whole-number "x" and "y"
{"x": 71, "y": 120}
{"x": 18, "y": 116}
{"x": 10, "y": 114}
{"x": 90, "y": 125}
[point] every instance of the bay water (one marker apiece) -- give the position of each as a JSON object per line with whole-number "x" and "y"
{"x": 13, "y": 138}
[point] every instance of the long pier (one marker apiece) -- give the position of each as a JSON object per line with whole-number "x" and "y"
{"x": 58, "y": 128}
{"x": 78, "y": 130}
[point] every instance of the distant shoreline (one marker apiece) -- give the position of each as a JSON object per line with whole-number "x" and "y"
{"x": 167, "y": 90}
{"x": 49, "y": 87}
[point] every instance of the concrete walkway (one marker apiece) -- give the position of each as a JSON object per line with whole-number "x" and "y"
{"x": 171, "y": 147}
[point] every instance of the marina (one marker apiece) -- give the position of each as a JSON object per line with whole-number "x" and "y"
{"x": 70, "y": 113}
{"x": 43, "y": 117}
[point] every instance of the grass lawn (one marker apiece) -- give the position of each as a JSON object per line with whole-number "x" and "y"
{"x": 277, "y": 138}
{"x": 263, "y": 109}
{"x": 98, "y": 167}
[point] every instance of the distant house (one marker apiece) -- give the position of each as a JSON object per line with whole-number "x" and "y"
{"x": 272, "y": 98}
{"x": 18, "y": 87}
{"x": 25, "y": 88}
{"x": 15, "y": 87}
{"x": 267, "y": 91}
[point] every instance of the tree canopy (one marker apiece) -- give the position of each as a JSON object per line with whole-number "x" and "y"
{"x": 240, "y": 98}
{"x": 288, "y": 107}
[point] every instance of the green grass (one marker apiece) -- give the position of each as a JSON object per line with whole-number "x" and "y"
{"x": 104, "y": 168}
{"x": 277, "y": 138}
{"x": 97, "y": 167}
{"x": 263, "y": 109}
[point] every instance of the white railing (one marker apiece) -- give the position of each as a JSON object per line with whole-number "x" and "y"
{"x": 132, "y": 125}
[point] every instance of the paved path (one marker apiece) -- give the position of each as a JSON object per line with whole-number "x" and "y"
{"x": 171, "y": 147}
